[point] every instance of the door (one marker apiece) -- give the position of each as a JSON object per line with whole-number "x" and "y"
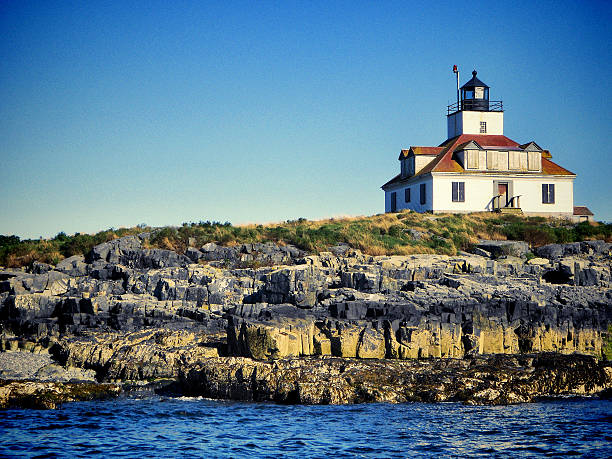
{"x": 502, "y": 191}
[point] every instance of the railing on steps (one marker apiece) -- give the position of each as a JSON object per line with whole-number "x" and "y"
{"x": 513, "y": 203}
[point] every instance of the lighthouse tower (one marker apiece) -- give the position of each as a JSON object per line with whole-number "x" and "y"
{"x": 474, "y": 113}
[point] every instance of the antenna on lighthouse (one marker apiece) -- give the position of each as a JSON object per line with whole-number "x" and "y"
{"x": 456, "y": 72}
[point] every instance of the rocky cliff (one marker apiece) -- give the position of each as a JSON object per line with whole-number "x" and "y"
{"x": 130, "y": 313}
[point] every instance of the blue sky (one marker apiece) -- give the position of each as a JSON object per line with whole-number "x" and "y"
{"x": 119, "y": 113}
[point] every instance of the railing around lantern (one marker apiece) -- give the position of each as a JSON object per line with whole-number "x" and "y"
{"x": 494, "y": 106}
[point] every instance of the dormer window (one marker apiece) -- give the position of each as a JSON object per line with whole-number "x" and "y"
{"x": 472, "y": 159}
{"x": 533, "y": 160}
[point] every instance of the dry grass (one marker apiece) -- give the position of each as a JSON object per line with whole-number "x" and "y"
{"x": 402, "y": 233}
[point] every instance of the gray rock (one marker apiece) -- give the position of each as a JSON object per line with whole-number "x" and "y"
{"x": 73, "y": 266}
{"x": 481, "y": 252}
{"x": 417, "y": 235}
{"x": 596, "y": 247}
{"x": 500, "y": 248}
{"x": 152, "y": 259}
{"x": 538, "y": 261}
{"x": 556, "y": 251}
{"x": 193, "y": 254}
{"x": 340, "y": 249}
{"x": 40, "y": 268}
{"x": 111, "y": 251}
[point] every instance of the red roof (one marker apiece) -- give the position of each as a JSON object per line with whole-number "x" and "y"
{"x": 582, "y": 210}
{"x": 444, "y": 161}
{"x": 550, "y": 168}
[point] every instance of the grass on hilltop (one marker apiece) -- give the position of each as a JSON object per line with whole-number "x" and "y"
{"x": 400, "y": 233}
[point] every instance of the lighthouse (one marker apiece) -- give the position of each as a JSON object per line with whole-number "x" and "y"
{"x": 477, "y": 168}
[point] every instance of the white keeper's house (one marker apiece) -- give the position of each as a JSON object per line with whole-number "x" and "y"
{"x": 478, "y": 168}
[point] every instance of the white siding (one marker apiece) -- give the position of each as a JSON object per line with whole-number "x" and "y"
{"x": 468, "y": 122}
{"x": 479, "y": 192}
{"x": 415, "y": 201}
{"x": 531, "y": 199}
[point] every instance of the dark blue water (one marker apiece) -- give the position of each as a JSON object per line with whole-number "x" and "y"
{"x": 166, "y": 427}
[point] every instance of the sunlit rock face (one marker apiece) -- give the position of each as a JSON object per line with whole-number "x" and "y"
{"x": 129, "y": 313}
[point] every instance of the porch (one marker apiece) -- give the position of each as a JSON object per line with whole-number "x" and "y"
{"x": 503, "y": 204}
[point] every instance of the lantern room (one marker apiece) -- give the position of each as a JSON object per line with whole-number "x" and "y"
{"x": 474, "y": 113}
{"x": 475, "y": 95}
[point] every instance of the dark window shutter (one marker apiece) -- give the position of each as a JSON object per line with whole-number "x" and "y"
{"x": 544, "y": 193}
{"x": 455, "y": 192}
{"x": 551, "y": 193}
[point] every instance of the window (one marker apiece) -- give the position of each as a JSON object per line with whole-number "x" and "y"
{"x": 394, "y": 202}
{"x": 492, "y": 160}
{"x": 483, "y": 127}
{"x": 548, "y": 193}
{"x": 497, "y": 160}
{"x": 458, "y": 191}
{"x": 523, "y": 160}
{"x": 502, "y": 160}
{"x": 472, "y": 159}
{"x": 407, "y": 195}
{"x": 514, "y": 160}
{"x": 423, "y": 196}
{"x": 534, "y": 161}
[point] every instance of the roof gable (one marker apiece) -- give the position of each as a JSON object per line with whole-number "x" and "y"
{"x": 531, "y": 146}
{"x": 471, "y": 145}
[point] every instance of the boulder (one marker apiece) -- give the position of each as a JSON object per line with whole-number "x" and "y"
{"x": 193, "y": 254}
{"x": 111, "y": 251}
{"x": 598, "y": 248}
{"x": 73, "y": 266}
{"x": 503, "y": 248}
{"x": 556, "y": 251}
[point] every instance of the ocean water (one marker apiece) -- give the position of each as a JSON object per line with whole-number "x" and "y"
{"x": 192, "y": 427}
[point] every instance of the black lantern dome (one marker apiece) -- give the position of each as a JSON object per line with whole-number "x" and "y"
{"x": 475, "y": 95}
